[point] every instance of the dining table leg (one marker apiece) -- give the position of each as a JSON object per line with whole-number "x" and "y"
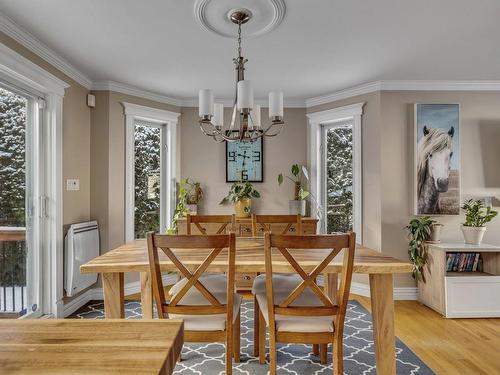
{"x": 146, "y": 296}
{"x": 112, "y": 285}
{"x": 382, "y": 301}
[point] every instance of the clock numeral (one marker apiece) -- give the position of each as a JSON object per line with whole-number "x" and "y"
{"x": 256, "y": 155}
{"x": 232, "y": 156}
{"x": 244, "y": 175}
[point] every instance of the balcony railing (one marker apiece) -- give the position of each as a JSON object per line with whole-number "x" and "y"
{"x": 12, "y": 270}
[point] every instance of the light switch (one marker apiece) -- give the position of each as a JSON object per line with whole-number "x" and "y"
{"x": 72, "y": 184}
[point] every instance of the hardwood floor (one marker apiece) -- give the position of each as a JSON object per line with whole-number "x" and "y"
{"x": 447, "y": 346}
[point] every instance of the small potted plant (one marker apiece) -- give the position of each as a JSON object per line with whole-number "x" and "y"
{"x": 476, "y": 216}
{"x": 194, "y": 194}
{"x": 419, "y": 232}
{"x": 300, "y": 175}
{"x": 181, "y": 208}
{"x": 241, "y": 194}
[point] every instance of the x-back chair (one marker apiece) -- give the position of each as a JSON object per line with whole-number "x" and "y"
{"x": 304, "y": 313}
{"x": 211, "y": 313}
{"x": 264, "y": 222}
{"x": 198, "y": 221}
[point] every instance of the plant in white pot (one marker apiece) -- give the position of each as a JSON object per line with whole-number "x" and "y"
{"x": 476, "y": 216}
{"x": 300, "y": 176}
{"x": 241, "y": 194}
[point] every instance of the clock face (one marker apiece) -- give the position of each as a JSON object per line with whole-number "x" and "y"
{"x": 244, "y": 161}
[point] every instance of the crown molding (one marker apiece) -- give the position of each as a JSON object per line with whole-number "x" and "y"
{"x": 135, "y": 91}
{"x": 13, "y": 30}
{"x": 388, "y": 85}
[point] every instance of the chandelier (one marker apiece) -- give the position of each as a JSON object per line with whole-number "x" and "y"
{"x": 245, "y": 122}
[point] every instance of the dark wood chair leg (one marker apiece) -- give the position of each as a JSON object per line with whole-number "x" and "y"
{"x": 323, "y": 356}
{"x": 262, "y": 339}
{"x": 315, "y": 349}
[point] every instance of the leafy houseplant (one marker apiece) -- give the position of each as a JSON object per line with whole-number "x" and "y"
{"x": 194, "y": 194}
{"x": 476, "y": 216}
{"x": 240, "y": 194}
{"x": 300, "y": 176}
{"x": 419, "y": 231}
{"x": 181, "y": 208}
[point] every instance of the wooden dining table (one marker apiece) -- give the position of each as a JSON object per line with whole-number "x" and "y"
{"x": 76, "y": 346}
{"x": 133, "y": 257}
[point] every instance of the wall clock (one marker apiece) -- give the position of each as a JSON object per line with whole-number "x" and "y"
{"x": 244, "y": 161}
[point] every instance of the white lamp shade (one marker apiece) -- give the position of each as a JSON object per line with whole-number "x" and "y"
{"x": 275, "y": 104}
{"x": 218, "y": 119}
{"x": 206, "y": 102}
{"x": 245, "y": 95}
{"x": 256, "y": 116}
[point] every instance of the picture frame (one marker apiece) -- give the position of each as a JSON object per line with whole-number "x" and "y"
{"x": 437, "y": 159}
{"x": 241, "y": 154}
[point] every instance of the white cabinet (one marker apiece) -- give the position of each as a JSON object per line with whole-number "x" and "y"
{"x": 462, "y": 294}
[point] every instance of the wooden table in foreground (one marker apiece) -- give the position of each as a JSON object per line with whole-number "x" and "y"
{"x": 71, "y": 346}
{"x": 132, "y": 257}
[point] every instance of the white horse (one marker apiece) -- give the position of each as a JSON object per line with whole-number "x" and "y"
{"x": 433, "y": 168}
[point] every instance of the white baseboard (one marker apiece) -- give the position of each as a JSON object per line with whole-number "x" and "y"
{"x": 96, "y": 294}
{"x": 400, "y": 294}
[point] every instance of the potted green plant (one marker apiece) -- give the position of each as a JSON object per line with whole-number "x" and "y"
{"x": 181, "y": 208}
{"x": 476, "y": 216}
{"x": 241, "y": 194}
{"x": 419, "y": 231}
{"x": 300, "y": 176}
{"x": 194, "y": 195}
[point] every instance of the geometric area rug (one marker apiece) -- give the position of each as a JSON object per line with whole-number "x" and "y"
{"x": 293, "y": 359}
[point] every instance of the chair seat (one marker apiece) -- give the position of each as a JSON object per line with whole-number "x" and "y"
{"x": 282, "y": 282}
{"x": 216, "y": 284}
{"x": 288, "y": 323}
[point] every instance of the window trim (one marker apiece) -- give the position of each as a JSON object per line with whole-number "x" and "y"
{"x": 21, "y": 72}
{"x": 318, "y": 122}
{"x": 168, "y": 121}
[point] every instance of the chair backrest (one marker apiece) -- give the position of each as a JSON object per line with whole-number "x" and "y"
{"x": 285, "y": 245}
{"x": 264, "y": 222}
{"x": 214, "y": 245}
{"x": 198, "y": 220}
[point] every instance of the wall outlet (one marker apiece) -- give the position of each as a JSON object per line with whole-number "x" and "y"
{"x": 72, "y": 184}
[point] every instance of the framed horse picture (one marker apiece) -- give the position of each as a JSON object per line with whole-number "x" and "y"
{"x": 437, "y": 159}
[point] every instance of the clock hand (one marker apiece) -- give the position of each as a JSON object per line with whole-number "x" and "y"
{"x": 244, "y": 156}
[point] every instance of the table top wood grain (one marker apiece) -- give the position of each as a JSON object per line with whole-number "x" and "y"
{"x": 52, "y": 346}
{"x": 133, "y": 257}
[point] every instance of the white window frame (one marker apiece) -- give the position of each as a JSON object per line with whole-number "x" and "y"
{"x": 21, "y": 72}
{"x": 168, "y": 121}
{"x": 319, "y": 122}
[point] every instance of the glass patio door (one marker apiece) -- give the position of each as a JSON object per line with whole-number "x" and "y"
{"x": 21, "y": 202}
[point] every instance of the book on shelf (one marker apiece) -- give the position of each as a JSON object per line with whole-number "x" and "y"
{"x": 463, "y": 262}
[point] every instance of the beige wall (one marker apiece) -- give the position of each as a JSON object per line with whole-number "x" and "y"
{"x": 480, "y": 156}
{"x": 204, "y": 160}
{"x": 76, "y": 138}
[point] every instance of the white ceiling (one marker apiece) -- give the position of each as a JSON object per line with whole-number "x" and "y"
{"x": 321, "y": 46}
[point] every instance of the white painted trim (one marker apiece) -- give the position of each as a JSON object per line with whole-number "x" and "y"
{"x": 162, "y": 117}
{"x": 318, "y": 122}
{"x": 400, "y": 294}
{"x": 135, "y": 91}
{"x": 26, "y": 39}
{"x": 403, "y": 85}
{"x": 97, "y": 294}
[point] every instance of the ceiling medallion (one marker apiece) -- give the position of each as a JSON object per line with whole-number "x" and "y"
{"x": 211, "y": 15}
{"x": 244, "y": 111}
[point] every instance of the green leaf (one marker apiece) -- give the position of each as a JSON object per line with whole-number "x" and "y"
{"x": 280, "y": 179}
{"x": 295, "y": 170}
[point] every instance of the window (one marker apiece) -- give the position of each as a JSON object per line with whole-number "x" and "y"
{"x": 335, "y": 159}
{"x": 151, "y": 159}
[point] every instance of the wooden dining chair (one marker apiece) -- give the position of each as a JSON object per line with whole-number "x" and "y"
{"x": 210, "y": 313}
{"x": 264, "y": 222}
{"x": 198, "y": 220}
{"x": 305, "y": 314}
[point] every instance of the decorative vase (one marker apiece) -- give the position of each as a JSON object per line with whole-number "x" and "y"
{"x": 435, "y": 236}
{"x": 473, "y": 235}
{"x": 296, "y": 207}
{"x": 243, "y": 207}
